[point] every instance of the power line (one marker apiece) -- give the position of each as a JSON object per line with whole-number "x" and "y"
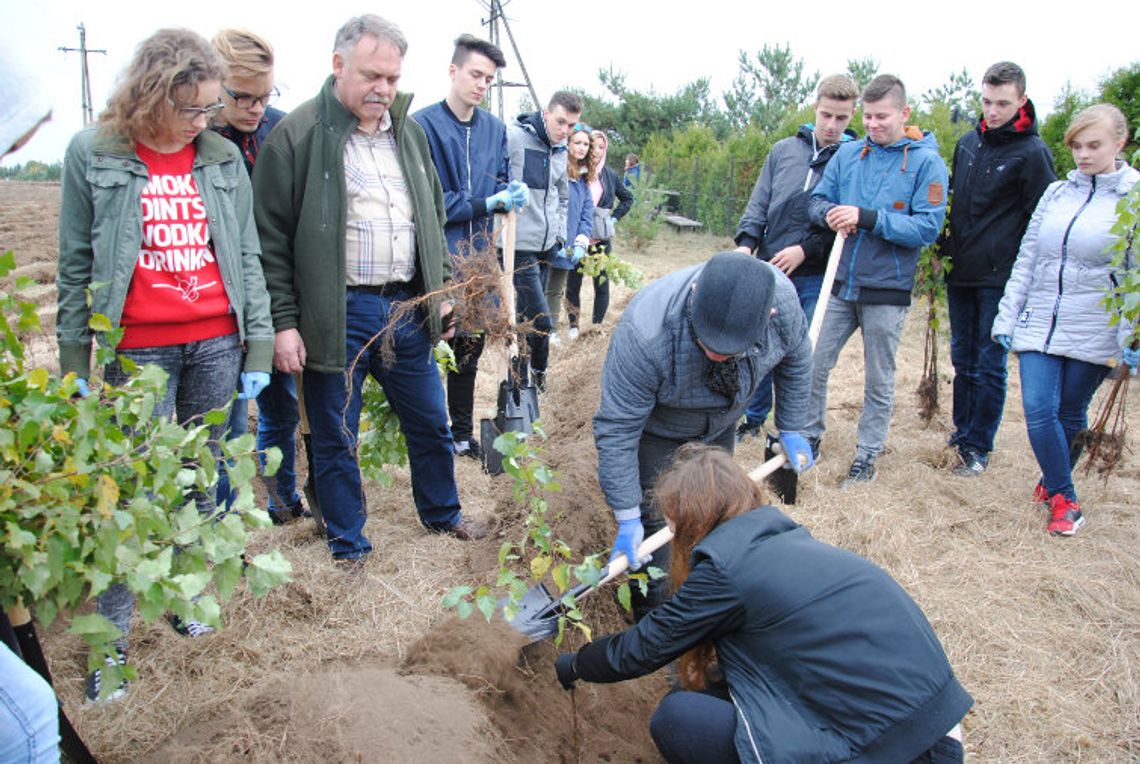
{"x": 495, "y": 8}
{"x": 83, "y": 51}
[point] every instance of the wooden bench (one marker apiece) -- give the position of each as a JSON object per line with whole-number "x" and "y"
{"x": 682, "y": 223}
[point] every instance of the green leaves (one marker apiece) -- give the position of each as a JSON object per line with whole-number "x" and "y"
{"x": 534, "y": 558}
{"x": 1123, "y": 298}
{"x": 94, "y": 491}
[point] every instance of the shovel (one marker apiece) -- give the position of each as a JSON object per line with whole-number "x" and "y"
{"x": 517, "y": 406}
{"x": 539, "y": 610}
{"x": 784, "y": 482}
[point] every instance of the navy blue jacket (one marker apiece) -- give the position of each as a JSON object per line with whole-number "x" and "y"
{"x": 579, "y": 221}
{"x": 472, "y": 162}
{"x": 827, "y": 658}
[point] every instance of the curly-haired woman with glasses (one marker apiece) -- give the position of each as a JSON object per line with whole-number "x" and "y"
{"x": 157, "y": 210}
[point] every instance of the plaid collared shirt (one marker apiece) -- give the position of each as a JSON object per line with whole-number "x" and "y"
{"x": 380, "y": 230}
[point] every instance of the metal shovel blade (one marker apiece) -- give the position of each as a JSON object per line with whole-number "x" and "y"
{"x": 517, "y": 412}
{"x": 537, "y": 616}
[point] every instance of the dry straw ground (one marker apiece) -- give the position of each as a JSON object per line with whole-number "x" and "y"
{"x": 1044, "y": 632}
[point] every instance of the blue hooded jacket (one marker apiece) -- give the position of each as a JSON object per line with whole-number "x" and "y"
{"x": 900, "y": 190}
{"x": 579, "y": 220}
{"x": 472, "y": 162}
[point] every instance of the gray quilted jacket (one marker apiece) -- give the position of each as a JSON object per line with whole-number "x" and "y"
{"x": 654, "y": 379}
{"x": 1052, "y": 301}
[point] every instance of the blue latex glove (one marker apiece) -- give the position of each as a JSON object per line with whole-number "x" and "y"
{"x": 500, "y": 201}
{"x": 629, "y": 537}
{"x": 81, "y": 387}
{"x": 1003, "y": 340}
{"x": 797, "y": 450}
{"x": 252, "y": 383}
{"x": 577, "y": 253}
{"x": 520, "y": 194}
{"x": 1132, "y": 357}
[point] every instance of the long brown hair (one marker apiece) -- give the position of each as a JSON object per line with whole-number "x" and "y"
{"x": 164, "y": 62}
{"x": 703, "y": 488}
{"x": 583, "y": 168}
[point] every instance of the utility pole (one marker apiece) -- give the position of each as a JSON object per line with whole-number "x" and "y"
{"x": 495, "y": 8}
{"x": 83, "y": 50}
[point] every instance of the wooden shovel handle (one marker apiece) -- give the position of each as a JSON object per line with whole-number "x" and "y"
{"x": 779, "y": 460}
{"x": 662, "y": 537}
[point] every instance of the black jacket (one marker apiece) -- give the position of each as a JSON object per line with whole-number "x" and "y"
{"x": 613, "y": 187}
{"x": 998, "y": 176}
{"x": 827, "y": 658}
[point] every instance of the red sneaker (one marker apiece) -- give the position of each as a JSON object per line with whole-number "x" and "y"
{"x": 1040, "y": 495}
{"x": 1067, "y": 517}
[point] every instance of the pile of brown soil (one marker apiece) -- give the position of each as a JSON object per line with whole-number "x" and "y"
{"x": 345, "y": 713}
{"x": 538, "y": 720}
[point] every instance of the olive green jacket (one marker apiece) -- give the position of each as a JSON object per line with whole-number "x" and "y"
{"x": 300, "y": 201}
{"x": 100, "y": 235}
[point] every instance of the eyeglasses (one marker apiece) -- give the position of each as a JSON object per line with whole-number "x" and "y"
{"x": 246, "y": 101}
{"x": 191, "y": 113}
{"x": 582, "y": 127}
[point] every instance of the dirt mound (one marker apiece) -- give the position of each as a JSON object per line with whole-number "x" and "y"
{"x": 368, "y": 713}
{"x": 538, "y": 720}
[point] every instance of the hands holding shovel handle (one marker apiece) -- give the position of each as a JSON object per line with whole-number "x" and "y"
{"x": 564, "y": 664}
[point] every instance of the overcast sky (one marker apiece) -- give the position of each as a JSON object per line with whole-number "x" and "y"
{"x": 660, "y": 45}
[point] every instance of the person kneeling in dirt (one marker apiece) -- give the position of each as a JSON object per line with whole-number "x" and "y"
{"x": 789, "y": 649}
{"x": 685, "y": 360}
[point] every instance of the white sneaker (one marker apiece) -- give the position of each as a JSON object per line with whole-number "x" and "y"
{"x": 555, "y": 340}
{"x": 573, "y": 333}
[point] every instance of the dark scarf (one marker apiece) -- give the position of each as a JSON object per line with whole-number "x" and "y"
{"x": 723, "y": 378}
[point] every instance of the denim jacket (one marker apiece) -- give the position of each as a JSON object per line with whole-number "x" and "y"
{"x": 100, "y": 235}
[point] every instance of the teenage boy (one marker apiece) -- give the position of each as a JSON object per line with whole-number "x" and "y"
{"x": 469, "y": 149}
{"x": 775, "y": 224}
{"x": 1000, "y": 170}
{"x": 537, "y": 143}
{"x": 246, "y": 119}
{"x": 887, "y": 195}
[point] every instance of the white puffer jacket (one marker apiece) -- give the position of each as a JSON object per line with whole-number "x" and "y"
{"x": 1052, "y": 301}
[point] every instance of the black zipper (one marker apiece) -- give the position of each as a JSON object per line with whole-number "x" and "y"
{"x": 1064, "y": 259}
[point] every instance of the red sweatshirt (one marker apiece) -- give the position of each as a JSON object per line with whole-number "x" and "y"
{"x": 176, "y": 294}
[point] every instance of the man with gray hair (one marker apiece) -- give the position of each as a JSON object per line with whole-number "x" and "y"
{"x": 351, "y": 216}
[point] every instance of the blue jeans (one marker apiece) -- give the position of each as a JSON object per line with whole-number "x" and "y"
{"x": 530, "y": 305}
{"x": 278, "y": 416}
{"x": 1055, "y": 393}
{"x": 29, "y": 713}
{"x": 415, "y": 392}
{"x": 202, "y": 376}
{"x": 881, "y": 327}
{"x": 807, "y": 287}
{"x": 237, "y": 425}
{"x": 979, "y": 367}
